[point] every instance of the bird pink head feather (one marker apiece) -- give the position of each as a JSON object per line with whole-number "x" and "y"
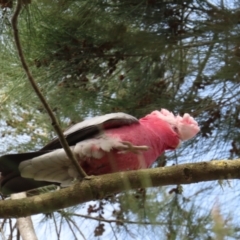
{"x": 186, "y": 127}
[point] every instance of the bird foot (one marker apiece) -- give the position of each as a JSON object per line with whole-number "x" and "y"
{"x": 89, "y": 177}
{"x": 129, "y": 147}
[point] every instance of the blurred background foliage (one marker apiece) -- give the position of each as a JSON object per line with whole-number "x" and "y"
{"x": 98, "y": 56}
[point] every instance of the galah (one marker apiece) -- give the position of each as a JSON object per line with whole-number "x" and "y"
{"x": 110, "y": 143}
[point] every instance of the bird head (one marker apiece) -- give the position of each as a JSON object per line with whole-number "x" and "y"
{"x": 185, "y": 127}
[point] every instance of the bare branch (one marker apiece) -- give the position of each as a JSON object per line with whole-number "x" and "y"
{"x": 56, "y": 227}
{"x": 12, "y": 228}
{"x": 75, "y": 225}
{"x": 69, "y": 225}
{"x": 55, "y": 123}
{"x": 24, "y": 224}
{"x": 99, "y": 187}
{"x": 117, "y": 221}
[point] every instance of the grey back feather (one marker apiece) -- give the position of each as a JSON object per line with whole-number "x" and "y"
{"x": 90, "y": 127}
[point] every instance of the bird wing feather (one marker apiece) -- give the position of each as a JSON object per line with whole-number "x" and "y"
{"x": 56, "y": 167}
{"x": 91, "y": 127}
{"x": 9, "y": 164}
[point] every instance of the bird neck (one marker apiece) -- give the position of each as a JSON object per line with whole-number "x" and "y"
{"x": 162, "y": 135}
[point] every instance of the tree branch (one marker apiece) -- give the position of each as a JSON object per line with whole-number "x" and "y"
{"x": 25, "y": 224}
{"x": 117, "y": 221}
{"x": 102, "y": 186}
{"x": 55, "y": 123}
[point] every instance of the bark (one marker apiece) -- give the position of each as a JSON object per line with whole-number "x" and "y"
{"x": 98, "y": 187}
{"x": 24, "y": 224}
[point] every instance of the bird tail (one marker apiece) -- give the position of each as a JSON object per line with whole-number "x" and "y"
{"x": 52, "y": 167}
{"x": 11, "y": 180}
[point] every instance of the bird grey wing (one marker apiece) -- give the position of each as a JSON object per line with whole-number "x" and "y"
{"x": 90, "y": 127}
{"x": 9, "y": 162}
{"x": 10, "y": 179}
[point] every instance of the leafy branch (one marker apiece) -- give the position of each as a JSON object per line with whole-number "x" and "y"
{"x": 48, "y": 109}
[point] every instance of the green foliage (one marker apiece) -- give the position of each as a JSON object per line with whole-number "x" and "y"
{"x": 94, "y": 57}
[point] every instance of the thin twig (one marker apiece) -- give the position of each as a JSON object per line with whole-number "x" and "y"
{"x": 117, "y": 221}
{"x": 12, "y": 228}
{"x": 56, "y": 227}
{"x": 114, "y": 234}
{"x": 55, "y": 123}
{"x": 76, "y": 226}
{"x": 72, "y": 230}
{"x": 2, "y": 224}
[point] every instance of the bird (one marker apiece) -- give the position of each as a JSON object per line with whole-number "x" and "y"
{"x": 104, "y": 144}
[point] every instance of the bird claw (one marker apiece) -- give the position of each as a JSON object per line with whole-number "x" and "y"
{"x": 89, "y": 177}
{"x": 129, "y": 147}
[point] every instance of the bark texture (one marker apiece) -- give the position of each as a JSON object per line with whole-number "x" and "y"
{"x": 98, "y": 187}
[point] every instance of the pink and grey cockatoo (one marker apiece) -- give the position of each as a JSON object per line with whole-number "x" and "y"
{"x": 106, "y": 144}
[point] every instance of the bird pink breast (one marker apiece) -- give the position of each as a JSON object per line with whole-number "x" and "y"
{"x": 152, "y": 132}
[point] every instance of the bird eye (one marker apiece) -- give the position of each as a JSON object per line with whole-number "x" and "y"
{"x": 175, "y": 129}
